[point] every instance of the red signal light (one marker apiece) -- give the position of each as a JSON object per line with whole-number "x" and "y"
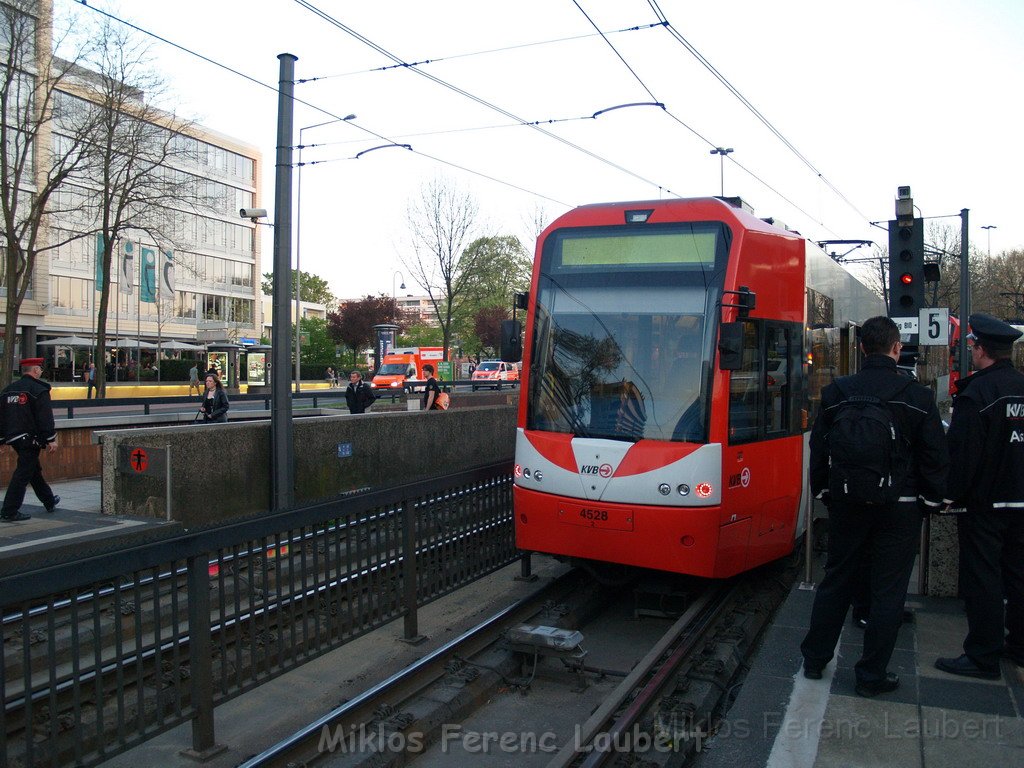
{"x": 906, "y": 278}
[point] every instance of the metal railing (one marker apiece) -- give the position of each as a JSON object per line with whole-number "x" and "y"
{"x": 104, "y": 653}
{"x": 70, "y": 406}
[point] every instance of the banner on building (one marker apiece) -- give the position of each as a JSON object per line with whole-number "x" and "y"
{"x": 99, "y": 261}
{"x": 125, "y": 280}
{"x": 147, "y": 276}
{"x": 167, "y": 275}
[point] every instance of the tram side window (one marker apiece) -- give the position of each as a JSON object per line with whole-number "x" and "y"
{"x": 778, "y": 384}
{"x": 765, "y": 394}
{"x": 745, "y": 390}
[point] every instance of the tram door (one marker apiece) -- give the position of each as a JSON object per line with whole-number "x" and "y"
{"x": 850, "y": 356}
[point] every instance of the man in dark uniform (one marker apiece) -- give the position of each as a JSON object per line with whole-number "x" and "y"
{"x": 886, "y": 535}
{"x": 26, "y": 424}
{"x": 906, "y": 365}
{"x": 986, "y": 444}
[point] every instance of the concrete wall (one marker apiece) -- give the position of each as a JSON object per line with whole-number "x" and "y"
{"x": 222, "y": 471}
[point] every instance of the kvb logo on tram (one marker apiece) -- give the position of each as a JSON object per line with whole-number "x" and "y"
{"x": 604, "y": 470}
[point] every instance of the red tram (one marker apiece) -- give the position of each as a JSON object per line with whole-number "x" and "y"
{"x": 674, "y": 352}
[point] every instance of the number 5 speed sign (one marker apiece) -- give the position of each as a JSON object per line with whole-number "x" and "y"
{"x": 933, "y": 327}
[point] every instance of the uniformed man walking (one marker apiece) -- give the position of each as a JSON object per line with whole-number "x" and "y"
{"x": 26, "y": 424}
{"x": 986, "y": 444}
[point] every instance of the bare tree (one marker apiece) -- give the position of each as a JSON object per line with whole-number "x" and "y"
{"x": 131, "y": 175}
{"x": 535, "y": 221}
{"x": 440, "y": 222}
{"x": 33, "y": 163}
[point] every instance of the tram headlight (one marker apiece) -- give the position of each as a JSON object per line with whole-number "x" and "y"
{"x": 683, "y": 489}
{"x": 518, "y": 471}
{"x": 526, "y": 473}
{"x": 704, "y": 490}
{"x": 538, "y": 475}
{"x": 664, "y": 489}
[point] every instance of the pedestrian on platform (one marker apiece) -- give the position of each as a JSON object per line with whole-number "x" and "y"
{"x": 432, "y": 390}
{"x": 358, "y": 395}
{"x": 907, "y": 366}
{"x": 986, "y": 447}
{"x": 90, "y": 380}
{"x": 215, "y": 404}
{"x": 26, "y": 424}
{"x": 878, "y": 459}
{"x": 193, "y": 379}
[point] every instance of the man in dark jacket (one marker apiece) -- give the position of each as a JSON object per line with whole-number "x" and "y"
{"x": 26, "y": 419}
{"x": 358, "y": 395}
{"x": 885, "y": 533}
{"x": 986, "y": 446}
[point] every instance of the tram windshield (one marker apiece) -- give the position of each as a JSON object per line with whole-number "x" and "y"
{"x": 622, "y": 340}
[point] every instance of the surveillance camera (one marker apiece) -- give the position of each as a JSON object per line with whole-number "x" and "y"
{"x": 253, "y": 213}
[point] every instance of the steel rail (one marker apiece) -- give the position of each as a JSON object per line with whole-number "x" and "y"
{"x": 412, "y": 678}
{"x": 689, "y": 628}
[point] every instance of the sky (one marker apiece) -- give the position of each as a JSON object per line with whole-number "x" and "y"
{"x": 866, "y": 96}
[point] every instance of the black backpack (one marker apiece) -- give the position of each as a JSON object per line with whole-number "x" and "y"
{"x": 869, "y": 460}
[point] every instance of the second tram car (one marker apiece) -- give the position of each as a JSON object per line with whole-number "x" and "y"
{"x": 674, "y": 353}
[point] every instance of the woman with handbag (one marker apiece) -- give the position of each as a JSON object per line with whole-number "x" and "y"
{"x": 215, "y": 404}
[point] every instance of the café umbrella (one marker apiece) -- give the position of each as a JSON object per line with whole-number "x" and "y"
{"x": 67, "y": 341}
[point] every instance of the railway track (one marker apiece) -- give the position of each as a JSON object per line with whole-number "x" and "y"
{"x": 649, "y": 688}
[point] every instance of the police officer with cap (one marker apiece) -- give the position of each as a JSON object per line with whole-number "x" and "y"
{"x": 986, "y": 444}
{"x": 26, "y": 424}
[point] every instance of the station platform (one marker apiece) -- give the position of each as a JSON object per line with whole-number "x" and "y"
{"x": 75, "y": 524}
{"x": 933, "y": 720}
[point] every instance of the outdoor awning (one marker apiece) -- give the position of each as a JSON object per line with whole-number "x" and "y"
{"x": 174, "y": 344}
{"x": 66, "y": 341}
{"x": 129, "y": 344}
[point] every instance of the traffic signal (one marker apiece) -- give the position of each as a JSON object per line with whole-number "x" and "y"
{"x": 906, "y": 267}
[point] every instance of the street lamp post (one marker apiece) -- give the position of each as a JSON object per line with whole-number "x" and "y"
{"x": 298, "y": 250}
{"x": 394, "y": 293}
{"x": 722, "y": 152}
{"x": 988, "y": 228}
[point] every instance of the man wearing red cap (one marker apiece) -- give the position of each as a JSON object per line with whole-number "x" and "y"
{"x": 26, "y": 424}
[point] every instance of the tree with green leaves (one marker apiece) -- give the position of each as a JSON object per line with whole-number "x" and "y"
{"x": 313, "y": 288}
{"x": 319, "y": 350}
{"x": 502, "y": 267}
{"x": 420, "y": 335}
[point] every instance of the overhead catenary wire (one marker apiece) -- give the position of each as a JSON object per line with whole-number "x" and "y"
{"x": 471, "y": 96}
{"x": 678, "y": 37}
{"x": 691, "y": 129}
{"x": 470, "y": 54}
{"x": 321, "y": 110}
{"x": 398, "y": 62}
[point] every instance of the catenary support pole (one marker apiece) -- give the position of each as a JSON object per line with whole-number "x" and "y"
{"x": 281, "y": 452}
{"x": 965, "y": 295}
